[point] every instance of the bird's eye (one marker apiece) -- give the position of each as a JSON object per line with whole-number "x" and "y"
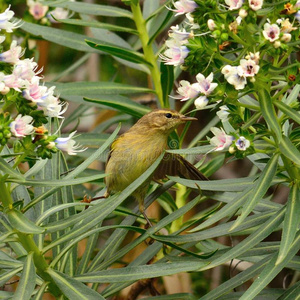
{"x": 168, "y": 115}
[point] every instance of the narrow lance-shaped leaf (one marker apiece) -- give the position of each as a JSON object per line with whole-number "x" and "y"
{"x": 96, "y": 24}
{"x": 289, "y": 150}
{"x": 22, "y": 223}
{"x": 122, "y": 104}
{"x": 261, "y": 233}
{"x": 268, "y": 112}
{"x": 237, "y": 280}
{"x": 140, "y": 272}
{"x": 167, "y": 80}
{"x": 291, "y": 222}
{"x": 123, "y": 53}
{"x": 26, "y": 284}
{"x": 270, "y": 271}
{"x": 91, "y": 9}
{"x": 84, "y": 88}
{"x": 290, "y": 112}
{"x": 72, "y": 288}
{"x": 260, "y": 188}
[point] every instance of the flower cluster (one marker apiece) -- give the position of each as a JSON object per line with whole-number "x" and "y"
{"x": 21, "y": 87}
{"x": 41, "y": 12}
{"x": 245, "y": 51}
{"x": 237, "y": 75}
{"x": 203, "y": 86}
{"x": 222, "y": 141}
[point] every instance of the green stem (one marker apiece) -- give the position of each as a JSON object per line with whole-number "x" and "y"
{"x": 27, "y": 240}
{"x": 180, "y": 202}
{"x": 148, "y": 52}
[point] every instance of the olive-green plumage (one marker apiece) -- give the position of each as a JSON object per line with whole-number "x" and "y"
{"x": 135, "y": 151}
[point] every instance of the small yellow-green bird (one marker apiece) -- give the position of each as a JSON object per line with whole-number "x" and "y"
{"x": 136, "y": 150}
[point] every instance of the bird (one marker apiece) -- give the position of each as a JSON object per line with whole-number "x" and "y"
{"x": 133, "y": 152}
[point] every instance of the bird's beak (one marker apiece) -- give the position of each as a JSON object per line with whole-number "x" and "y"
{"x": 185, "y": 119}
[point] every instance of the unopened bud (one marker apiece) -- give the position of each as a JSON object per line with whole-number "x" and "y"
{"x": 243, "y": 13}
{"x": 211, "y": 24}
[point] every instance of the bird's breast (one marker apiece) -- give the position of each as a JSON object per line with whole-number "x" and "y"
{"x": 131, "y": 156}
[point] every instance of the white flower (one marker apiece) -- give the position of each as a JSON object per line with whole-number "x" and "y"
{"x": 271, "y": 32}
{"x": 253, "y": 56}
{"x": 69, "y": 145}
{"x": 223, "y": 113}
{"x": 201, "y": 102}
{"x": 286, "y": 25}
{"x": 286, "y": 37}
{"x": 242, "y": 143}
{"x": 179, "y": 35}
{"x": 211, "y": 24}
{"x": 13, "y": 54}
{"x": 4, "y": 21}
{"x": 58, "y": 13}
{"x": 191, "y": 21}
{"x": 256, "y": 4}
{"x": 33, "y": 91}
{"x": 36, "y": 9}
{"x": 243, "y": 13}
{"x": 176, "y": 53}
{"x": 21, "y": 126}
{"x": 184, "y": 6}
{"x": 277, "y": 44}
{"x": 2, "y": 38}
{"x": 221, "y": 140}
{"x": 250, "y": 68}
{"x": 51, "y": 105}
{"x": 297, "y": 15}
{"x": 26, "y": 69}
{"x": 186, "y": 91}
{"x": 205, "y": 85}
{"x": 234, "y": 4}
{"x": 235, "y": 76}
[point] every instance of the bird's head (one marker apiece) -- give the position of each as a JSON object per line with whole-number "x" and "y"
{"x": 162, "y": 120}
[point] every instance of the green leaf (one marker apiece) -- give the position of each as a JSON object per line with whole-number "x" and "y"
{"x": 290, "y": 112}
{"x": 61, "y": 37}
{"x": 140, "y": 272}
{"x": 291, "y": 293}
{"x": 7, "y": 275}
{"x": 126, "y": 54}
{"x": 7, "y": 169}
{"x": 249, "y": 242}
{"x": 27, "y": 281}
{"x": 95, "y": 24}
{"x": 291, "y": 222}
{"x": 251, "y": 223}
{"x": 177, "y": 296}
{"x": 159, "y": 23}
{"x": 91, "y": 9}
{"x": 122, "y": 104}
{"x": 78, "y": 170}
{"x": 167, "y": 80}
{"x": 268, "y": 112}
{"x": 59, "y": 182}
{"x": 271, "y": 270}
{"x": 72, "y": 288}
{"x": 260, "y": 188}
{"x": 21, "y": 223}
{"x": 225, "y": 185}
{"x": 86, "y": 88}
{"x": 289, "y": 150}
{"x": 237, "y": 280}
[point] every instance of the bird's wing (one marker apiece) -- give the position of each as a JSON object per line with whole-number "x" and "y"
{"x": 176, "y": 165}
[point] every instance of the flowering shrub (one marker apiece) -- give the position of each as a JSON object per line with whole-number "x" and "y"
{"x": 241, "y": 59}
{"x": 22, "y": 89}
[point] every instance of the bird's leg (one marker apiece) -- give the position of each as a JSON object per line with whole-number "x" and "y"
{"x": 142, "y": 210}
{"x": 87, "y": 199}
